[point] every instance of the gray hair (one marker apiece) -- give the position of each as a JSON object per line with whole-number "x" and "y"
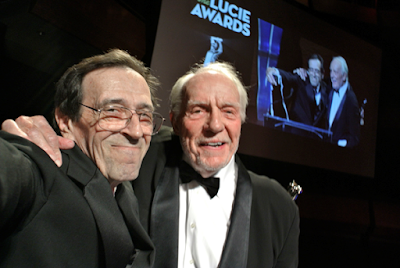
{"x": 69, "y": 91}
{"x": 178, "y": 90}
{"x": 343, "y": 64}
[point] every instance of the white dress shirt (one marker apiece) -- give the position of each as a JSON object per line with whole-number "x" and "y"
{"x": 317, "y": 95}
{"x": 204, "y": 222}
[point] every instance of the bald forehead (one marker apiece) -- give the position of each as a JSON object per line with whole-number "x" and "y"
{"x": 113, "y": 76}
{"x": 336, "y": 64}
{"x": 205, "y": 77}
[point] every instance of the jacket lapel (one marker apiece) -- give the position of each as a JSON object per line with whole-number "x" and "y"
{"x": 165, "y": 218}
{"x": 310, "y": 93}
{"x": 340, "y": 108}
{"x": 116, "y": 241}
{"x": 237, "y": 242}
{"x": 128, "y": 204}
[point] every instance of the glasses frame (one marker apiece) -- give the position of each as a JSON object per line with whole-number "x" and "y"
{"x": 127, "y": 120}
{"x": 315, "y": 71}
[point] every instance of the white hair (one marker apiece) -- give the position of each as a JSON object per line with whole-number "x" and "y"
{"x": 343, "y": 64}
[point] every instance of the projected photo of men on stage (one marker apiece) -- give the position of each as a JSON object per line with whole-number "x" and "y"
{"x": 310, "y": 101}
{"x": 313, "y": 97}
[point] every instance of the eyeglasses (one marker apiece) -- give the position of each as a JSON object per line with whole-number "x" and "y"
{"x": 115, "y": 118}
{"x": 315, "y": 71}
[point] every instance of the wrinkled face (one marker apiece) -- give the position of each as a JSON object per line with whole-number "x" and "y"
{"x": 209, "y": 124}
{"x": 338, "y": 77}
{"x": 314, "y": 72}
{"x": 118, "y": 155}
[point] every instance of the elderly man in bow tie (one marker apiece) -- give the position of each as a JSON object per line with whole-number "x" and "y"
{"x": 343, "y": 114}
{"x": 250, "y": 222}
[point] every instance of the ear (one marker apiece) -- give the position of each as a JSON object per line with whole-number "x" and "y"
{"x": 64, "y": 124}
{"x": 174, "y": 122}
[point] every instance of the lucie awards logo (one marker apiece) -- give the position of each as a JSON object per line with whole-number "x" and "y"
{"x": 225, "y": 14}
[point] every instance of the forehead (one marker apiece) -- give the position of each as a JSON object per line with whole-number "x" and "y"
{"x": 335, "y": 65}
{"x": 314, "y": 63}
{"x": 211, "y": 85}
{"x": 115, "y": 83}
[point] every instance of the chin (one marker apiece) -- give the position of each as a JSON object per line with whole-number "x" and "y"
{"x": 124, "y": 174}
{"x": 211, "y": 166}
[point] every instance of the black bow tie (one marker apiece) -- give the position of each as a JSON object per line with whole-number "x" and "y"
{"x": 187, "y": 174}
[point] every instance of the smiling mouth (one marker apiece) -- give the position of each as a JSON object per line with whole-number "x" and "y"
{"x": 213, "y": 144}
{"x": 125, "y": 146}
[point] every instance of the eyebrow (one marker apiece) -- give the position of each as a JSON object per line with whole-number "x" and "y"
{"x": 191, "y": 102}
{"x": 140, "y": 106}
{"x": 202, "y": 103}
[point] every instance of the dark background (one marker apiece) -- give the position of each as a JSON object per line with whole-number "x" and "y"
{"x": 346, "y": 220}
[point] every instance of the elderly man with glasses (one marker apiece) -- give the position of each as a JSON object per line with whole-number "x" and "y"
{"x": 84, "y": 213}
{"x": 310, "y": 92}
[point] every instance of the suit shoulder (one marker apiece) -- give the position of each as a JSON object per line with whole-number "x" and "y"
{"x": 164, "y": 144}
{"x": 269, "y": 190}
{"x": 265, "y": 183}
{"x": 165, "y": 134}
{"x": 159, "y": 143}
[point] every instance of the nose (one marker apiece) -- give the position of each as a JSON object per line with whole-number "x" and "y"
{"x": 133, "y": 129}
{"x": 215, "y": 123}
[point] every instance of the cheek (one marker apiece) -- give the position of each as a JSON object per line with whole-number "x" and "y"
{"x": 101, "y": 142}
{"x": 86, "y": 139}
{"x": 188, "y": 141}
{"x": 146, "y": 146}
{"x": 189, "y": 131}
{"x": 234, "y": 132}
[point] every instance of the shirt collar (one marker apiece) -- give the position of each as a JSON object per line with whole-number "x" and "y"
{"x": 343, "y": 88}
{"x": 316, "y": 89}
{"x": 227, "y": 171}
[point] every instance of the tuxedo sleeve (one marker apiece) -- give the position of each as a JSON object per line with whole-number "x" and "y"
{"x": 353, "y": 134}
{"x": 150, "y": 171}
{"x": 275, "y": 225}
{"x": 288, "y": 256}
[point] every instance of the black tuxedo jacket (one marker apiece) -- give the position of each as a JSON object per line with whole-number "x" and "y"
{"x": 303, "y": 107}
{"x": 264, "y": 226}
{"x": 65, "y": 217}
{"x": 346, "y": 124}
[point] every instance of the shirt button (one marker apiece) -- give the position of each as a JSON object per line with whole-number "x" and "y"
{"x": 193, "y": 225}
{"x": 191, "y": 261}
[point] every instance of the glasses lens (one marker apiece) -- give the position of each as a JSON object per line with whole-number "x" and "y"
{"x": 157, "y": 122}
{"x": 114, "y": 118}
{"x": 315, "y": 71}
